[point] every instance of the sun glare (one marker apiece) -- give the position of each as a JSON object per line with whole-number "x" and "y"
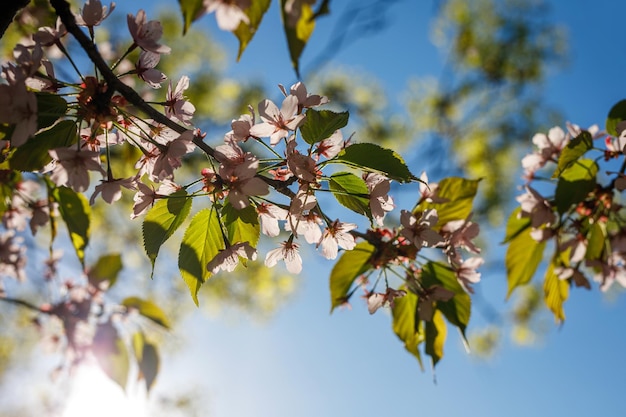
{"x": 94, "y": 394}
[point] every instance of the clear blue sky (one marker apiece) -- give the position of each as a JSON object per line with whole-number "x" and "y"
{"x": 306, "y": 363}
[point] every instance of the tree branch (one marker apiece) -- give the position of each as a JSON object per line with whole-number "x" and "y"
{"x": 9, "y": 11}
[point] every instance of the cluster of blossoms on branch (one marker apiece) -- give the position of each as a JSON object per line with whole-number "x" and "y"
{"x": 576, "y": 206}
{"x": 266, "y": 178}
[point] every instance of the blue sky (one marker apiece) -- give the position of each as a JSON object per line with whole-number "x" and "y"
{"x": 305, "y": 362}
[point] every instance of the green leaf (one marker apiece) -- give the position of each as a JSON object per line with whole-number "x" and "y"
{"x": 576, "y": 148}
{"x": 596, "y": 241}
{"x": 201, "y": 243}
{"x": 370, "y": 157}
{"x": 245, "y": 32}
{"x": 33, "y": 155}
{"x": 435, "y": 333}
{"x": 163, "y": 219}
{"x": 242, "y": 225}
{"x": 523, "y": 256}
{"x": 50, "y": 107}
{"x": 616, "y": 115}
{"x": 351, "y": 264}
{"x": 320, "y": 125}
{"x": 555, "y": 291}
{"x": 298, "y": 36}
{"x": 404, "y": 312}
{"x": 75, "y": 212}
{"x": 8, "y": 186}
{"x": 575, "y": 183}
{"x": 457, "y": 310}
{"x": 191, "y": 10}
{"x": 111, "y": 353}
{"x": 106, "y": 269}
{"x": 459, "y": 194}
{"x": 515, "y": 225}
{"x": 148, "y": 309}
{"x": 351, "y": 192}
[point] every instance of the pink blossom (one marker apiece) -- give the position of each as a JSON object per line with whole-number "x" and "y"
{"x": 145, "y": 196}
{"x": 428, "y": 297}
{"x": 466, "y": 273}
{"x": 241, "y": 127}
{"x": 146, "y": 71}
{"x": 549, "y": 147}
{"x": 93, "y": 13}
{"x": 18, "y": 106}
{"x": 176, "y": 106}
{"x": 376, "y": 300}
{"x": 305, "y": 100}
{"x": 609, "y": 271}
{"x": 12, "y": 256}
{"x": 228, "y": 13}
{"x": 288, "y": 252}
{"x": 238, "y": 170}
{"x": 337, "y": 235}
{"x": 331, "y": 146}
{"x": 277, "y": 123}
{"x": 303, "y": 167}
{"x": 536, "y": 207}
{"x": 578, "y": 245}
{"x": 459, "y": 233}
{"x": 269, "y": 215}
{"x": 577, "y": 277}
{"x": 146, "y": 33}
{"x": 380, "y": 203}
{"x": 419, "y": 231}
{"x": 111, "y": 190}
{"x": 228, "y": 259}
{"x": 73, "y": 166}
{"x": 305, "y": 225}
{"x": 48, "y": 36}
{"x": 304, "y": 200}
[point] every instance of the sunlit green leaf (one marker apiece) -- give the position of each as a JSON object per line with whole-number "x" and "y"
{"x": 372, "y": 157}
{"x": 523, "y": 256}
{"x": 49, "y": 108}
{"x": 75, "y": 212}
{"x": 515, "y": 225}
{"x": 33, "y": 155}
{"x": 457, "y": 310}
{"x": 321, "y": 124}
{"x": 435, "y": 333}
{"x": 459, "y": 194}
{"x": 576, "y": 148}
{"x": 616, "y": 115}
{"x": 106, "y": 269}
{"x": 404, "y": 313}
{"x": 245, "y": 32}
{"x": 596, "y": 241}
{"x": 190, "y": 10}
{"x": 147, "y": 309}
{"x": 575, "y": 183}
{"x": 162, "y": 221}
{"x": 111, "y": 353}
{"x": 351, "y": 192}
{"x": 201, "y": 243}
{"x": 242, "y": 225}
{"x": 298, "y": 36}
{"x": 9, "y": 180}
{"x": 351, "y": 264}
{"x": 555, "y": 292}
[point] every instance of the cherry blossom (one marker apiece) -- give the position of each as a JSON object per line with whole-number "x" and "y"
{"x": 419, "y": 231}
{"x": 228, "y": 13}
{"x": 609, "y": 271}
{"x": 288, "y": 252}
{"x": 12, "y": 256}
{"x": 549, "y": 147}
{"x": 47, "y": 36}
{"x": 111, "y": 190}
{"x": 228, "y": 259}
{"x": 18, "y": 106}
{"x": 176, "y": 106}
{"x": 145, "y": 196}
{"x": 238, "y": 170}
{"x": 376, "y": 300}
{"x": 380, "y": 203}
{"x": 335, "y": 236}
{"x": 146, "y": 71}
{"x": 466, "y": 273}
{"x": 277, "y": 123}
{"x": 428, "y": 191}
{"x": 536, "y": 207}
{"x": 72, "y": 167}
{"x": 426, "y": 299}
{"x": 146, "y": 34}
{"x": 269, "y": 215}
{"x": 331, "y": 146}
{"x": 459, "y": 233}
{"x": 305, "y": 100}
{"x": 302, "y": 166}
{"x": 241, "y": 128}
{"x": 93, "y": 13}
{"x": 305, "y": 225}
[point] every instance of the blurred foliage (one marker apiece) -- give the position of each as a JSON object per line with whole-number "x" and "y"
{"x": 487, "y": 102}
